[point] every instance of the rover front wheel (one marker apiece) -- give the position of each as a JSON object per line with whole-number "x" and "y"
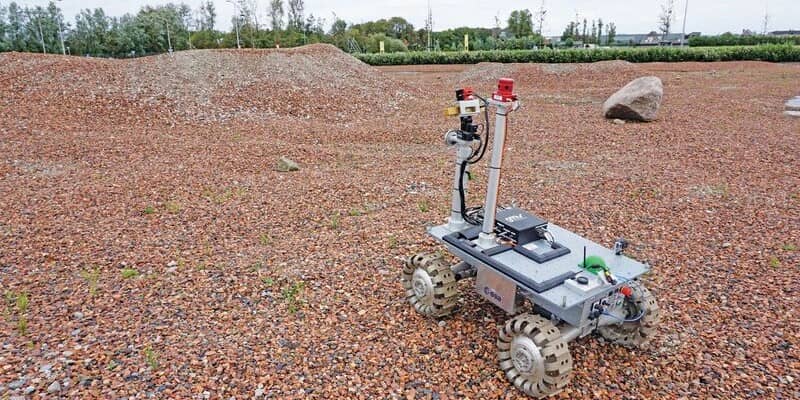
{"x": 641, "y": 319}
{"x": 534, "y": 356}
{"x": 430, "y": 285}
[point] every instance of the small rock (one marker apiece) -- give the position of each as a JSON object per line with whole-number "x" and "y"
{"x": 46, "y": 369}
{"x": 29, "y": 390}
{"x": 639, "y": 100}
{"x": 792, "y": 113}
{"x": 54, "y": 387}
{"x": 259, "y": 392}
{"x": 442, "y": 324}
{"x": 18, "y": 383}
{"x": 726, "y": 245}
{"x": 172, "y": 270}
{"x": 76, "y": 332}
{"x": 793, "y": 104}
{"x": 172, "y": 264}
{"x": 618, "y": 121}
{"x": 77, "y": 315}
{"x": 287, "y": 165}
{"x": 789, "y": 378}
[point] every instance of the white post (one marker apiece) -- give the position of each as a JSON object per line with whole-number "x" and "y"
{"x": 61, "y": 36}
{"x": 685, "y": 11}
{"x": 169, "y": 41}
{"x": 41, "y": 36}
{"x": 486, "y": 239}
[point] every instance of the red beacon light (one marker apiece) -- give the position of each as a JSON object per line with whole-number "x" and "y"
{"x": 505, "y": 90}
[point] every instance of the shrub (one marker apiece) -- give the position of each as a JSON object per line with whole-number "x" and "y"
{"x": 728, "y": 39}
{"x": 390, "y": 44}
{"x": 771, "y": 52}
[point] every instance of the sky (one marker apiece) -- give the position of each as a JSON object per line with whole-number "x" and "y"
{"x": 706, "y": 16}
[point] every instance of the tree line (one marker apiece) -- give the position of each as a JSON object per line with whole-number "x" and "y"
{"x": 278, "y": 23}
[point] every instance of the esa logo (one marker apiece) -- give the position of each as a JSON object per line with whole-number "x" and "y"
{"x": 515, "y": 218}
{"x": 491, "y": 293}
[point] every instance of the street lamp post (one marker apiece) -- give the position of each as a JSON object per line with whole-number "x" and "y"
{"x": 41, "y": 36}
{"x": 169, "y": 40}
{"x": 236, "y": 23}
{"x": 61, "y": 36}
{"x": 685, "y": 11}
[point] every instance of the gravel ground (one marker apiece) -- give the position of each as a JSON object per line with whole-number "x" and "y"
{"x": 163, "y": 256}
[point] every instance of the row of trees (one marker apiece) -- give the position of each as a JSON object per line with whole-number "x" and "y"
{"x": 284, "y": 23}
{"x": 593, "y": 35}
{"x": 153, "y": 29}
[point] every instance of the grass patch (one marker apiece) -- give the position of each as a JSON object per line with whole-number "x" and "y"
{"x": 224, "y": 196}
{"x": 129, "y": 273}
{"x": 719, "y": 190}
{"x": 150, "y": 357}
{"x": 335, "y": 221}
{"x": 17, "y": 303}
{"x": 789, "y": 247}
{"x": 774, "y": 262}
{"x": 92, "y": 277}
{"x": 149, "y": 210}
{"x": 355, "y": 212}
{"x": 392, "y": 242}
{"x": 424, "y": 205}
{"x": 256, "y": 266}
{"x": 645, "y": 193}
{"x": 22, "y": 310}
{"x": 291, "y": 295}
{"x": 265, "y": 239}
{"x": 172, "y": 207}
{"x": 268, "y": 281}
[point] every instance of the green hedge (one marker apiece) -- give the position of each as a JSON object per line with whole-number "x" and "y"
{"x": 774, "y": 53}
{"x": 738, "y": 40}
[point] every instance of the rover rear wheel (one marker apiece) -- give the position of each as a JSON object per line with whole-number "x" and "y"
{"x": 534, "y": 356}
{"x": 641, "y": 306}
{"x": 430, "y": 285}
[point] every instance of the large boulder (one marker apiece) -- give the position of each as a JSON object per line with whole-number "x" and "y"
{"x": 793, "y": 107}
{"x": 639, "y": 100}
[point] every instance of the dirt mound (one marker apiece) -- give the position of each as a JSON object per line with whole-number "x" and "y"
{"x": 301, "y": 82}
{"x": 208, "y": 85}
{"x": 617, "y": 66}
{"x": 486, "y": 72}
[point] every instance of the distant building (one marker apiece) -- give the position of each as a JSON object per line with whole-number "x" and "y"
{"x": 640, "y": 39}
{"x": 785, "y": 33}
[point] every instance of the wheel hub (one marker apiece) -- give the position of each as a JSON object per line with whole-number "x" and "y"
{"x": 422, "y": 285}
{"x": 526, "y": 357}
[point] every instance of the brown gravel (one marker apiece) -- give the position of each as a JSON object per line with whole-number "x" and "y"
{"x": 251, "y": 281}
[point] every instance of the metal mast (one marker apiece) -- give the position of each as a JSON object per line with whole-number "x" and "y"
{"x": 429, "y": 26}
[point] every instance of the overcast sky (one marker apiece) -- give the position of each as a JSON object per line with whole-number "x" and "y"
{"x": 707, "y": 16}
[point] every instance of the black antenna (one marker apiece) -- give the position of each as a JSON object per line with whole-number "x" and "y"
{"x": 584, "y": 256}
